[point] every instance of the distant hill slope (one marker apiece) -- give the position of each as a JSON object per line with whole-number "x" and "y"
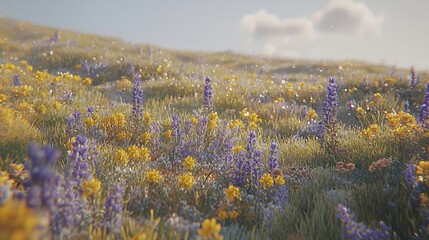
{"x": 111, "y": 57}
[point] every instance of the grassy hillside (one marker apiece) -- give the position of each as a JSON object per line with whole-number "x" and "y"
{"x": 149, "y": 147}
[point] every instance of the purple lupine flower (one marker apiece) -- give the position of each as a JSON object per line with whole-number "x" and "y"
{"x": 208, "y": 94}
{"x": 238, "y": 179}
{"x": 42, "y": 184}
{"x": 304, "y": 111}
{"x": 16, "y": 80}
{"x": 355, "y": 230}
{"x": 54, "y": 38}
{"x": 281, "y": 196}
{"x": 65, "y": 216}
{"x": 320, "y": 131}
{"x": 273, "y": 159}
{"x": 424, "y": 111}
{"x": 137, "y": 97}
{"x": 414, "y": 79}
{"x": 253, "y": 157}
{"x": 79, "y": 170}
{"x": 331, "y": 103}
{"x": 91, "y": 110}
{"x": 175, "y": 126}
{"x": 73, "y": 123}
{"x": 113, "y": 212}
{"x": 410, "y": 174}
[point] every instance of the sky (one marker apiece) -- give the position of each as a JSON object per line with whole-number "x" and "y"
{"x": 392, "y": 32}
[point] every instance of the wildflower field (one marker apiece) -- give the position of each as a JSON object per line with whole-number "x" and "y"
{"x": 103, "y": 139}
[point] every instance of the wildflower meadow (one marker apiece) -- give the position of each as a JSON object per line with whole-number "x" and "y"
{"x": 104, "y": 139}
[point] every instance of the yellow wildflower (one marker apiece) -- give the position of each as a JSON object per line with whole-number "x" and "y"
{"x": 189, "y": 163}
{"x": 194, "y": 120}
{"x": 311, "y": 114}
{"x": 87, "y": 81}
{"x": 145, "y": 153}
{"x": 167, "y": 134}
{"x": 237, "y": 149}
{"x": 187, "y": 181}
{"x": 210, "y": 229}
{"x": 57, "y": 105}
{"x": 233, "y": 215}
{"x": 147, "y": 119}
{"x": 91, "y": 187}
{"x": 89, "y": 123}
{"x": 279, "y": 180}
{"x": 266, "y": 180}
{"x": 134, "y": 152}
{"x": 153, "y": 176}
{"x": 212, "y": 123}
{"x": 145, "y": 138}
{"x": 70, "y": 143}
{"x": 122, "y": 156}
{"x": 3, "y": 97}
{"x": 232, "y": 193}
{"x": 42, "y": 108}
{"x": 236, "y": 123}
{"x": 222, "y": 215}
{"x": 17, "y": 221}
{"x": 424, "y": 200}
{"x": 360, "y": 110}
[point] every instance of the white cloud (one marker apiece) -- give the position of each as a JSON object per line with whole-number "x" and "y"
{"x": 269, "y": 26}
{"x": 347, "y": 16}
{"x": 339, "y": 16}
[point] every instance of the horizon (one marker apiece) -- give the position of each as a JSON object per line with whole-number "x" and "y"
{"x": 337, "y": 30}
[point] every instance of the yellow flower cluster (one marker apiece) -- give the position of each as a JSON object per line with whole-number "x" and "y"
{"x": 267, "y": 180}
{"x": 237, "y": 149}
{"x": 42, "y": 109}
{"x": 194, "y": 120}
{"x": 189, "y": 163}
{"x": 212, "y": 123}
{"x": 3, "y": 97}
{"x": 42, "y": 76}
{"x": 57, "y": 105}
{"x": 223, "y": 215}
{"x": 311, "y": 115}
{"x": 279, "y": 180}
{"x": 371, "y": 131}
{"x": 232, "y": 193}
{"x": 210, "y": 230}
{"x": 123, "y": 85}
{"x": 136, "y": 152}
{"x": 423, "y": 172}
{"x": 187, "y": 181}
{"x": 22, "y": 91}
{"x": 17, "y": 221}
{"x": 9, "y": 66}
{"x": 91, "y": 121}
{"x": 153, "y": 176}
{"x": 25, "y": 106}
{"x": 424, "y": 200}
{"x": 236, "y": 123}
{"x": 147, "y": 119}
{"x": 252, "y": 118}
{"x": 122, "y": 157}
{"x": 68, "y": 77}
{"x": 145, "y": 138}
{"x": 91, "y": 187}
{"x": 402, "y": 124}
